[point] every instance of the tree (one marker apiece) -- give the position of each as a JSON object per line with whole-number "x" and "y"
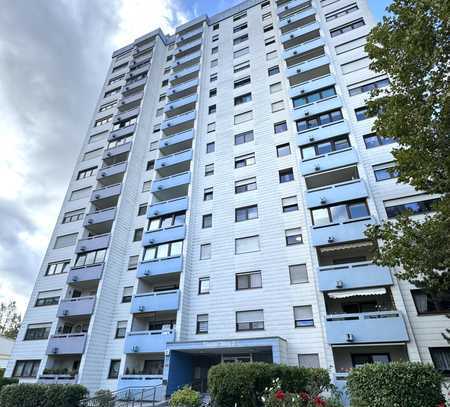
{"x": 412, "y": 46}
{"x": 9, "y": 320}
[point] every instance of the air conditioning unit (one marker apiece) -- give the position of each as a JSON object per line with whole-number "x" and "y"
{"x": 306, "y": 113}
{"x": 299, "y": 70}
{"x": 286, "y": 7}
{"x": 83, "y": 248}
{"x": 288, "y": 20}
{"x": 166, "y": 143}
{"x": 152, "y": 241}
{"x": 75, "y": 278}
{"x": 160, "y": 187}
{"x": 55, "y": 351}
{"x": 291, "y": 36}
{"x": 295, "y": 52}
{"x": 109, "y": 154}
{"x": 135, "y": 348}
{"x": 146, "y": 273}
{"x": 141, "y": 308}
{"x": 156, "y": 212}
{"x": 311, "y": 138}
{"x": 97, "y": 196}
{"x": 317, "y": 167}
{"x": 118, "y": 118}
{"x": 171, "y": 107}
{"x": 103, "y": 174}
{"x": 66, "y": 312}
{"x": 175, "y": 76}
{"x": 331, "y": 239}
{"x": 90, "y": 221}
{"x": 302, "y": 91}
{"x": 323, "y": 200}
{"x": 339, "y": 284}
{"x": 163, "y": 164}
{"x": 349, "y": 338}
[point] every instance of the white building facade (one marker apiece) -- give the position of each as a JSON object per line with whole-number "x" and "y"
{"x": 217, "y": 212}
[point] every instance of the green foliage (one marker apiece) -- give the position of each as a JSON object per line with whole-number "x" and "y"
{"x": 103, "y": 398}
{"x": 185, "y": 397}
{"x": 402, "y": 384}
{"x": 246, "y": 383}
{"x": 40, "y": 395}
{"x": 411, "y": 45}
{"x": 5, "y": 381}
{"x": 9, "y": 320}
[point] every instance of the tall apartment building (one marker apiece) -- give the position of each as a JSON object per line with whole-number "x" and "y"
{"x": 217, "y": 212}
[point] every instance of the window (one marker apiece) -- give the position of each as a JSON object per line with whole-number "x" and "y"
{"x": 65, "y": 241}
{"x": 211, "y": 127}
{"x": 157, "y": 128}
{"x": 298, "y": 273}
{"x": 280, "y": 127}
{"x": 90, "y": 155}
{"x": 207, "y": 221}
{"x": 111, "y": 92}
{"x": 133, "y": 262}
{"x": 246, "y": 213}
{"x": 347, "y": 27}
{"x": 326, "y": 147}
{"x": 385, "y": 171}
{"x": 240, "y": 39}
{"x": 341, "y": 12}
{"x": 246, "y": 244}
{"x": 205, "y": 251}
{"x": 215, "y": 27}
{"x": 283, "y": 150}
{"x": 428, "y": 304}
{"x": 169, "y": 58}
{"x": 441, "y": 359}
{"x": 293, "y": 236}
{"x": 166, "y": 221}
{"x": 242, "y": 82}
{"x": 245, "y": 281}
{"x": 286, "y": 175}
{"x": 339, "y": 213}
{"x": 162, "y": 251}
{"x": 107, "y": 106}
{"x": 243, "y": 117}
{"x": 267, "y": 28}
{"x": 245, "y": 185}
{"x": 121, "y": 329}
{"x": 415, "y": 208}
{"x": 309, "y": 360}
{"x": 150, "y": 165}
{"x": 241, "y": 66}
{"x": 142, "y": 209}
{"x": 88, "y": 172}
{"x": 137, "y": 236}
{"x": 26, "y": 368}
{"x": 361, "y": 359}
{"x": 215, "y": 38}
{"x": 213, "y": 77}
{"x": 351, "y": 45}
{"x": 368, "y": 87}
{"x": 250, "y": 320}
{"x": 127, "y": 294}
{"x": 214, "y": 50}
{"x": 57, "y": 267}
{"x": 277, "y": 106}
{"x": 208, "y": 194}
{"x": 119, "y": 67}
{"x": 36, "y": 332}
{"x": 212, "y": 92}
{"x": 314, "y": 96}
{"x": 209, "y": 170}
{"x": 114, "y": 368}
{"x": 245, "y": 98}
{"x": 154, "y": 145}
{"x": 362, "y": 113}
{"x": 244, "y": 160}
{"x": 159, "y": 112}
{"x": 269, "y": 41}
{"x": 319, "y": 120}
{"x": 374, "y": 140}
{"x": 240, "y": 27}
{"x": 125, "y": 123}
{"x": 275, "y": 87}
{"x": 73, "y": 216}
{"x": 355, "y": 65}
{"x": 212, "y": 109}
{"x": 165, "y": 82}
{"x": 239, "y": 16}
{"x": 146, "y": 186}
{"x": 162, "y": 97}
{"x": 203, "y": 285}
{"x": 94, "y": 138}
{"x": 80, "y": 193}
{"x": 303, "y": 316}
{"x": 273, "y": 70}
{"x": 265, "y": 4}
{"x": 266, "y": 16}
{"x": 89, "y": 258}
{"x": 242, "y": 138}
{"x": 289, "y": 204}
{"x": 46, "y": 298}
{"x": 271, "y": 55}
{"x": 202, "y": 324}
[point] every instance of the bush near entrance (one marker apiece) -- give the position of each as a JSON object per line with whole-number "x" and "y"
{"x": 402, "y": 384}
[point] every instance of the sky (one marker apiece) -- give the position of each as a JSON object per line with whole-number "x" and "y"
{"x": 54, "y": 55}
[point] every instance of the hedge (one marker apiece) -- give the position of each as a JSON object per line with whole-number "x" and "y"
{"x": 42, "y": 395}
{"x": 244, "y": 383}
{"x": 5, "y": 381}
{"x": 402, "y": 384}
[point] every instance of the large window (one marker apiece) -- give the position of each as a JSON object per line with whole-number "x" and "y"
{"x": 80, "y": 193}
{"x": 319, "y": 120}
{"x": 341, "y": 12}
{"x": 167, "y": 221}
{"x": 26, "y": 368}
{"x": 88, "y": 172}
{"x": 415, "y": 208}
{"x": 313, "y": 97}
{"x": 427, "y": 303}
{"x": 303, "y": 316}
{"x": 121, "y": 329}
{"x": 340, "y": 213}
{"x": 245, "y": 281}
{"x": 163, "y": 250}
{"x": 298, "y": 273}
{"x": 37, "y": 332}
{"x": 238, "y": 100}
{"x": 207, "y": 221}
{"x": 368, "y": 87}
{"x": 94, "y": 257}
{"x": 246, "y": 244}
{"x": 374, "y": 140}
{"x": 57, "y": 267}
{"x": 243, "y": 117}
{"x": 242, "y": 82}
{"x": 246, "y": 213}
{"x": 325, "y": 147}
{"x": 347, "y": 27}
{"x": 244, "y": 160}
{"x": 293, "y": 236}
{"x": 65, "y": 241}
{"x": 286, "y": 175}
{"x": 309, "y": 360}
{"x": 46, "y": 298}
{"x": 73, "y": 216}
{"x": 205, "y": 251}
{"x": 441, "y": 359}
{"x": 243, "y": 138}
{"x": 245, "y": 185}
{"x": 385, "y": 171}
{"x": 241, "y": 52}
{"x": 250, "y": 320}
{"x": 202, "y": 324}
{"x": 289, "y": 204}
{"x": 114, "y": 368}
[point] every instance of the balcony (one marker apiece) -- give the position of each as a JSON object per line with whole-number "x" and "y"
{"x": 176, "y": 142}
{"x": 184, "y": 75}
{"x": 311, "y": 86}
{"x": 289, "y": 5}
{"x": 75, "y": 307}
{"x": 321, "y": 106}
{"x": 122, "y": 132}
{"x": 171, "y": 187}
{"x": 123, "y": 116}
{"x": 183, "y": 89}
{"x": 306, "y": 46}
{"x": 69, "y": 344}
{"x": 166, "y": 207}
{"x": 294, "y": 37}
{"x": 180, "y": 106}
{"x": 297, "y": 20}
{"x": 174, "y": 163}
{"x": 148, "y": 341}
{"x": 169, "y": 234}
{"x": 93, "y": 243}
{"x": 156, "y": 301}
{"x": 299, "y": 73}
{"x": 188, "y": 48}
{"x": 85, "y": 273}
{"x": 57, "y": 379}
{"x": 184, "y": 38}
{"x": 353, "y": 275}
{"x": 178, "y": 123}
{"x": 135, "y": 72}
{"x": 187, "y": 61}
{"x": 121, "y": 149}
{"x": 99, "y": 218}
{"x": 324, "y": 162}
{"x": 138, "y": 85}
{"x": 158, "y": 267}
{"x": 342, "y": 192}
{"x": 346, "y": 231}
{"x": 369, "y": 327}
{"x": 106, "y": 197}
{"x": 322, "y": 133}
{"x": 112, "y": 174}
{"x": 130, "y": 101}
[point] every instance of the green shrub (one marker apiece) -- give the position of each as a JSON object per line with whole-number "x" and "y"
{"x": 103, "y": 398}
{"x": 4, "y": 381}
{"x": 41, "y": 395}
{"x": 245, "y": 383}
{"x": 402, "y": 384}
{"x": 185, "y": 397}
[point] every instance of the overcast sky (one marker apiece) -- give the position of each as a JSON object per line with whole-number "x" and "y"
{"x": 53, "y": 58}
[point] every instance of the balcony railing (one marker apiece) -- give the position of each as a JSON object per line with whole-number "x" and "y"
{"x": 93, "y": 243}
{"x": 170, "y": 206}
{"x": 148, "y": 341}
{"x": 156, "y": 301}
{"x": 341, "y": 192}
{"x": 158, "y": 267}
{"x": 68, "y": 344}
{"x": 72, "y": 307}
{"x": 325, "y": 162}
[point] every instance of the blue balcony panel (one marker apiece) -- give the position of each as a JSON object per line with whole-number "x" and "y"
{"x": 180, "y": 103}
{"x": 190, "y": 59}
{"x": 311, "y": 86}
{"x": 183, "y": 87}
{"x": 135, "y": 98}
{"x": 353, "y": 275}
{"x": 171, "y": 182}
{"x": 85, "y": 273}
{"x": 148, "y": 341}
{"x": 190, "y": 34}
{"x": 342, "y": 192}
{"x": 166, "y": 207}
{"x": 308, "y": 65}
{"x": 326, "y": 162}
{"x": 106, "y": 192}
{"x": 347, "y": 231}
{"x": 97, "y": 217}
{"x": 173, "y": 140}
{"x": 322, "y": 133}
{"x": 123, "y": 116}
{"x": 75, "y": 307}
{"x": 158, "y": 267}
{"x": 143, "y": 69}
{"x": 187, "y": 47}
{"x": 122, "y": 132}
{"x": 156, "y": 301}
{"x": 285, "y": 22}
{"x": 68, "y": 344}
{"x": 173, "y": 159}
{"x": 288, "y": 6}
{"x": 173, "y": 123}
{"x": 370, "y": 327}
{"x": 112, "y": 170}
{"x": 169, "y": 234}
{"x": 134, "y": 85}
{"x": 290, "y": 37}
{"x": 93, "y": 243}
{"x": 321, "y": 106}
{"x": 303, "y": 47}
{"x": 185, "y": 73}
